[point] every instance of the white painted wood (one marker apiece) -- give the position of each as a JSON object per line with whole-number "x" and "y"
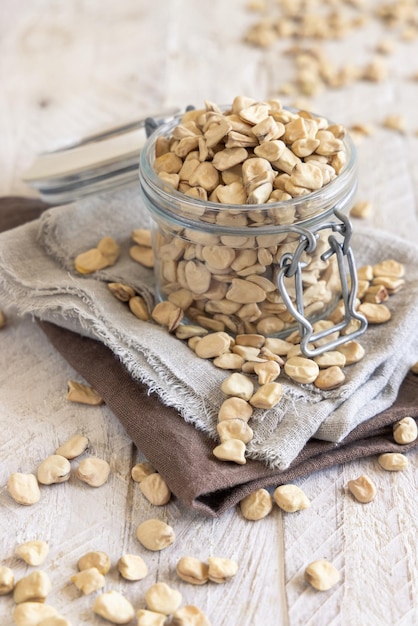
{"x": 65, "y": 69}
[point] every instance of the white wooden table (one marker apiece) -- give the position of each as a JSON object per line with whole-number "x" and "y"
{"x": 67, "y": 68}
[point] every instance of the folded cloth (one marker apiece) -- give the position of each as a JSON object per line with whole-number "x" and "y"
{"x": 183, "y": 455}
{"x": 180, "y": 452}
{"x": 36, "y": 272}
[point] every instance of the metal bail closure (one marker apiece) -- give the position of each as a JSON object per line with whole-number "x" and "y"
{"x": 292, "y": 266}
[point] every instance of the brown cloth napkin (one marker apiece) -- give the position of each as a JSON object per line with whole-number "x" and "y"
{"x": 181, "y": 453}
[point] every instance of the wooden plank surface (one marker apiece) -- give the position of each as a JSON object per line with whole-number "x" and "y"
{"x": 67, "y": 68}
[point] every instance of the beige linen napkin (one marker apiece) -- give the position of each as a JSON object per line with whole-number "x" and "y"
{"x": 183, "y": 455}
{"x": 36, "y": 272}
{"x": 180, "y": 452}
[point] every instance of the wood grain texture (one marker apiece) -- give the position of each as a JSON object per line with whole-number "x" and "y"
{"x": 67, "y": 68}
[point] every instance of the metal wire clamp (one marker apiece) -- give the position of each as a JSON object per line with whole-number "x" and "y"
{"x": 292, "y": 266}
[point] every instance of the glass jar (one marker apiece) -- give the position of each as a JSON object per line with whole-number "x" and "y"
{"x": 268, "y": 269}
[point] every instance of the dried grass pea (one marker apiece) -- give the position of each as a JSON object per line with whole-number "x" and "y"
{"x": 322, "y": 575}
{"x": 32, "y": 588}
{"x": 393, "y": 461}
{"x": 405, "y": 431}
{"x": 162, "y": 598}
{"x": 88, "y": 580}
{"x": 362, "y": 488}
{"x": 33, "y": 552}
{"x": 54, "y": 469}
{"x": 192, "y": 570}
{"x": 142, "y": 470}
{"x": 144, "y": 617}
{"x": 7, "y": 580}
{"x": 231, "y": 450}
{"x": 257, "y": 505}
{"x": 97, "y": 558}
{"x": 73, "y": 447}
{"x": 23, "y": 488}
{"x": 155, "y": 489}
{"x": 132, "y": 567}
{"x": 93, "y": 471}
{"x": 233, "y": 408}
{"x": 114, "y": 607}
{"x": 267, "y": 395}
{"x": 291, "y": 498}
{"x": 234, "y": 429}
{"x": 84, "y": 394}
{"x": 329, "y": 378}
{"x": 301, "y": 369}
{"x": 221, "y": 569}
{"x": 155, "y": 534}
{"x": 189, "y": 615}
{"x": 105, "y": 254}
{"x": 238, "y": 385}
{"x": 33, "y": 613}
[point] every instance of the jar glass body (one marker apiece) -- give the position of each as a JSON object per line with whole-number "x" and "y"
{"x": 220, "y": 262}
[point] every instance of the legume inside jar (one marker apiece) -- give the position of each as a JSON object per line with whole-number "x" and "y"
{"x": 249, "y": 204}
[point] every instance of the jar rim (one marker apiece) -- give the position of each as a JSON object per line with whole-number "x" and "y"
{"x": 338, "y": 191}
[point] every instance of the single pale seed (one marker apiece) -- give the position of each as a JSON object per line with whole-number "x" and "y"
{"x": 155, "y": 534}
{"x": 32, "y": 613}
{"x": 353, "y": 352}
{"x": 54, "y": 469}
{"x": 231, "y": 450}
{"x": 155, "y": 489}
{"x": 238, "y": 385}
{"x": 389, "y": 267}
{"x": 322, "y": 575}
{"x": 150, "y": 618}
{"x": 329, "y": 359}
{"x": 114, "y": 607}
{"x": 234, "y": 429}
{"x": 7, "y": 580}
{"x": 93, "y": 471}
{"x": 393, "y": 461}
{"x": 192, "y": 570}
{"x": 189, "y": 615}
{"x": 73, "y": 447}
{"x": 329, "y": 378}
{"x": 142, "y": 255}
{"x": 405, "y": 431}
{"x": 233, "y": 408}
{"x": 109, "y": 248}
{"x": 267, "y": 395}
{"x": 163, "y": 599}
{"x": 375, "y": 313}
{"x": 291, "y": 498}
{"x": 84, "y": 394}
{"x": 141, "y": 471}
{"x": 32, "y": 588}
{"x": 257, "y": 505}
{"x": 229, "y": 361}
{"x": 362, "y": 488}
{"x": 142, "y": 236}
{"x": 213, "y": 345}
{"x": 139, "y": 308}
{"x": 88, "y": 580}
{"x": 90, "y": 261}
{"x": 221, "y": 569}
{"x": 23, "y": 488}
{"x": 301, "y": 370}
{"x": 98, "y": 559}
